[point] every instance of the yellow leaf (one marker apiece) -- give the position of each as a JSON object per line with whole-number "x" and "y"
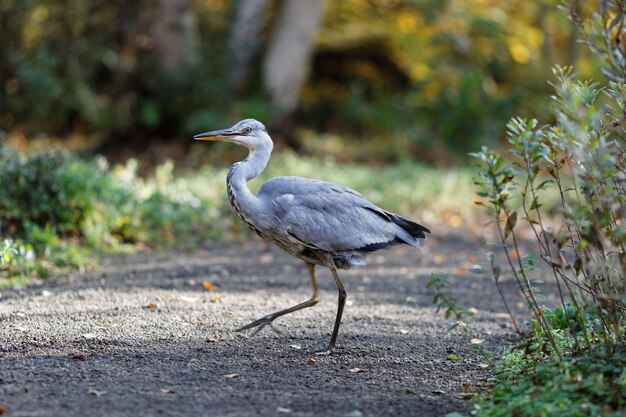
{"x": 208, "y": 286}
{"x": 455, "y": 221}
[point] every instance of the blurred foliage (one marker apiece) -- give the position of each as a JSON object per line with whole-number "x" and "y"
{"x": 87, "y": 68}
{"x": 59, "y": 210}
{"x": 464, "y": 67}
{"x": 430, "y": 77}
{"x": 56, "y": 208}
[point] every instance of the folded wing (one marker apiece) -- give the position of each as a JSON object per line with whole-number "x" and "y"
{"x": 334, "y": 218}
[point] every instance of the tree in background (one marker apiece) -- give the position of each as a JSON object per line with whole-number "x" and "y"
{"x": 172, "y": 27}
{"x": 286, "y": 62}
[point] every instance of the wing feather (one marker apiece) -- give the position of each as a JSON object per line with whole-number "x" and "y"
{"x": 332, "y": 217}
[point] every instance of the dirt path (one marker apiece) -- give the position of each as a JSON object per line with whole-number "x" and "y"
{"x": 143, "y": 337}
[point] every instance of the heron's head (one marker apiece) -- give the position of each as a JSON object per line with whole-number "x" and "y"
{"x": 249, "y": 133}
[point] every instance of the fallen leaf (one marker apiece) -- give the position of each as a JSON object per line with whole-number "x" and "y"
{"x": 89, "y": 336}
{"x": 466, "y": 387}
{"x": 167, "y": 391}
{"x": 461, "y": 271}
{"x": 311, "y": 361}
{"x": 188, "y": 299}
{"x": 357, "y": 370}
{"x": 477, "y": 341}
{"x": 97, "y": 393}
{"x": 455, "y": 221}
{"x": 483, "y": 365}
{"x": 439, "y": 259}
{"x": 208, "y": 286}
{"x": 472, "y": 310}
{"x": 231, "y": 376}
{"x": 298, "y": 347}
{"x": 266, "y": 258}
{"x": 284, "y": 410}
{"x": 2, "y": 410}
{"x": 453, "y": 357}
{"x": 150, "y": 305}
{"x": 404, "y": 331}
{"x": 78, "y": 357}
{"x": 214, "y": 299}
{"x": 464, "y": 395}
{"x": 217, "y": 339}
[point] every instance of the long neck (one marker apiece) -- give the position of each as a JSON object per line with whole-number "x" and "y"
{"x": 240, "y": 196}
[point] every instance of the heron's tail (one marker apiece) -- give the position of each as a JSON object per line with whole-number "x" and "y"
{"x": 417, "y": 231}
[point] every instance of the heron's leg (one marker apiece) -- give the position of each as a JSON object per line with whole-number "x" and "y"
{"x": 340, "y": 304}
{"x": 264, "y": 321}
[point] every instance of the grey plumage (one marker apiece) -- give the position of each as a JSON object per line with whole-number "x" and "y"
{"x": 320, "y": 222}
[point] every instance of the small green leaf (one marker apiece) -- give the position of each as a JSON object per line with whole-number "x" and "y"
{"x": 496, "y": 271}
{"x": 535, "y": 204}
{"x": 453, "y": 357}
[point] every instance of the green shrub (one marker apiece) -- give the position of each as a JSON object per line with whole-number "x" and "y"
{"x": 59, "y": 207}
{"x": 16, "y": 259}
{"x": 582, "y": 160}
{"x": 574, "y": 359}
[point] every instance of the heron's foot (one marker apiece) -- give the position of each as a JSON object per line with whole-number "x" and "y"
{"x": 260, "y": 324}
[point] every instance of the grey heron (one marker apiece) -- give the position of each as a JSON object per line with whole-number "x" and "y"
{"x": 320, "y": 222}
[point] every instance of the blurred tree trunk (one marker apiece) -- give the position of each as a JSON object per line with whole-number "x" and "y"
{"x": 244, "y": 40}
{"x": 286, "y": 62}
{"x": 172, "y": 26}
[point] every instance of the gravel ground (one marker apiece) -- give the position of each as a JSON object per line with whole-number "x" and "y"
{"x": 144, "y": 337}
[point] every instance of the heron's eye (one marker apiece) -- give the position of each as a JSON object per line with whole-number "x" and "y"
{"x": 247, "y": 130}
